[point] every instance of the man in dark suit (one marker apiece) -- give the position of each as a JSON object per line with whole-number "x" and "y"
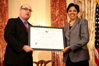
{"x": 18, "y": 53}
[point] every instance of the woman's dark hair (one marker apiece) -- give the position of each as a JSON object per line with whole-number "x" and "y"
{"x": 72, "y": 4}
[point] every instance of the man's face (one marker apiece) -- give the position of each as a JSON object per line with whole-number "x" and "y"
{"x": 25, "y": 12}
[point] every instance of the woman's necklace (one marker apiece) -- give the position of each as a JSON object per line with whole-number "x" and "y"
{"x": 71, "y": 23}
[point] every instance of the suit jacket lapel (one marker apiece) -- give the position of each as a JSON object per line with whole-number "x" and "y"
{"x": 22, "y": 25}
{"x": 74, "y": 25}
{"x": 67, "y": 31}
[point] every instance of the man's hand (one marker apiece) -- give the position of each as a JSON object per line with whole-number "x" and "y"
{"x": 27, "y": 48}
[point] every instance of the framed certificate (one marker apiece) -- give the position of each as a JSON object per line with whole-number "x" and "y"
{"x": 46, "y": 38}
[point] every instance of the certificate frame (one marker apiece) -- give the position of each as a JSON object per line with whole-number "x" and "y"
{"x": 46, "y": 38}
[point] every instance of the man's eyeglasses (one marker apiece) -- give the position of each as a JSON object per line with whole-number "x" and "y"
{"x": 27, "y": 9}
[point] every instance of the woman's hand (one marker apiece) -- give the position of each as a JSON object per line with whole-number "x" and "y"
{"x": 66, "y": 50}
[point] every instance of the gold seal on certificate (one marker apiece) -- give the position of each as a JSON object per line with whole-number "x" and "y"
{"x": 46, "y": 38}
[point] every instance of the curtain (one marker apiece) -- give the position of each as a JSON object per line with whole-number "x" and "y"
{"x": 3, "y": 20}
{"x": 58, "y": 19}
{"x": 58, "y": 13}
{"x": 87, "y": 11}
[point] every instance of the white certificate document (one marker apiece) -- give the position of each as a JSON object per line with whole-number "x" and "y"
{"x": 46, "y": 38}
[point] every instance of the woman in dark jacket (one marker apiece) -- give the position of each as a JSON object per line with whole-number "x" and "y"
{"x": 77, "y": 36}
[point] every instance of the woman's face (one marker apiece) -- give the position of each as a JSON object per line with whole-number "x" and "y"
{"x": 72, "y": 13}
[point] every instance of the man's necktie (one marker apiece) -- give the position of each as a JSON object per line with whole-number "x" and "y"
{"x": 25, "y": 23}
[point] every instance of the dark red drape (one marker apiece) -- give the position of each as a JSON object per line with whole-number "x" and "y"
{"x": 3, "y": 20}
{"x": 58, "y": 19}
{"x": 58, "y": 13}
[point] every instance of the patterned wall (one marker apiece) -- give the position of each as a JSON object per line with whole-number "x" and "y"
{"x": 3, "y": 20}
